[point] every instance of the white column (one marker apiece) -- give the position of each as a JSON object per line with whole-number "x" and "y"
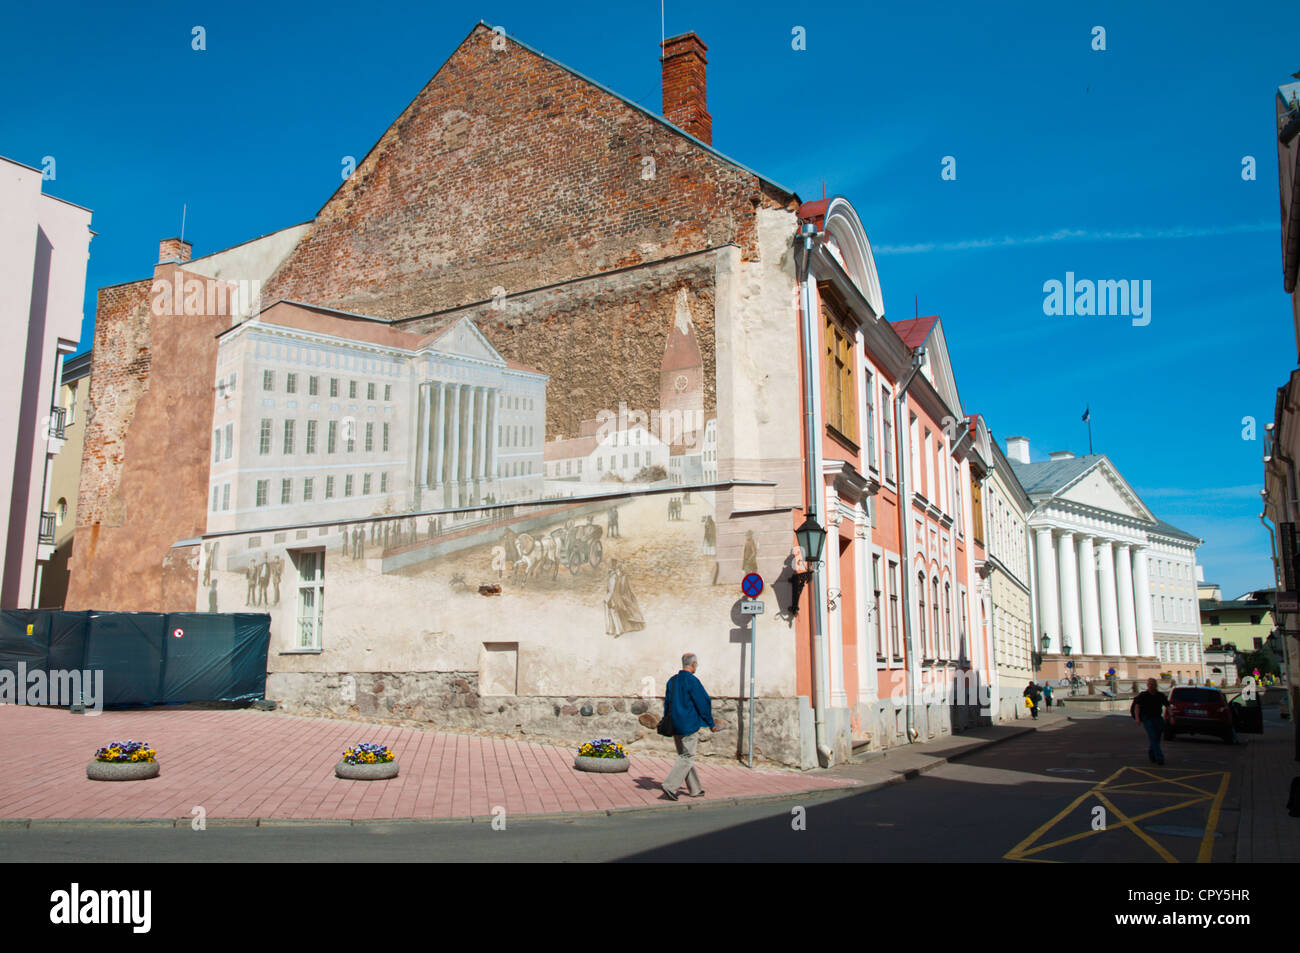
{"x": 493, "y": 398}
{"x": 867, "y": 645}
{"x": 1091, "y": 607}
{"x": 1128, "y": 640}
{"x": 453, "y": 446}
{"x": 1142, "y": 603}
{"x": 1068, "y": 580}
{"x": 1049, "y": 616}
{"x": 438, "y": 429}
{"x": 1109, "y": 609}
{"x": 481, "y": 443}
{"x": 467, "y": 457}
{"x": 422, "y": 437}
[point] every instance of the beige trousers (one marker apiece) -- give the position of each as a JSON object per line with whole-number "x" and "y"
{"x": 684, "y": 768}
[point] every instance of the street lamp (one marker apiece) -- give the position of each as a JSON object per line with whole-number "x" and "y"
{"x": 812, "y": 540}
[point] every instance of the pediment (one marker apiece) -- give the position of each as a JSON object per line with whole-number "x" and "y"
{"x": 1103, "y": 488}
{"x": 464, "y": 340}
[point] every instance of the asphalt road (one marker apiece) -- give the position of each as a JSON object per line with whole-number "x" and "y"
{"x": 1083, "y": 792}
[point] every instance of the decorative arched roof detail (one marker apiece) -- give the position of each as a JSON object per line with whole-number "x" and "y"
{"x": 842, "y": 225}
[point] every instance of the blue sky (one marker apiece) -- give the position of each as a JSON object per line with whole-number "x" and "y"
{"x": 1122, "y": 163}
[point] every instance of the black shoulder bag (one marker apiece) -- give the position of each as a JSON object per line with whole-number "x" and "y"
{"x": 666, "y": 722}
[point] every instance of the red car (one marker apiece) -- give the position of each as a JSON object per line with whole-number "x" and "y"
{"x": 1194, "y": 710}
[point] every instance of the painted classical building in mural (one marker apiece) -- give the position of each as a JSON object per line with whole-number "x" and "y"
{"x": 1116, "y": 586}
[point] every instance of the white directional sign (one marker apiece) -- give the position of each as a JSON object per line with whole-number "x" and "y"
{"x": 751, "y": 608}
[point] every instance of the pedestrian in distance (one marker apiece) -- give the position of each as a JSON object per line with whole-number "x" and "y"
{"x": 1047, "y": 695}
{"x": 1034, "y": 694}
{"x": 687, "y": 709}
{"x": 1149, "y": 708}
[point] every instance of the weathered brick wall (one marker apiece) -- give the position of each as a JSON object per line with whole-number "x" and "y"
{"x": 601, "y": 339}
{"x": 508, "y": 171}
{"x": 145, "y": 463}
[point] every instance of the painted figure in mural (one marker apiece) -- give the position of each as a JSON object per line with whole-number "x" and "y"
{"x": 386, "y": 534}
{"x": 374, "y": 527}
{"x": 207, "y": 564}
{"x": 622, "y": 613}
{"x": 277, "y": 570}
{"x": 710, "y": 547}
{"x": 251, "y": 572}
{"x": 749, "y": 562}
{"x": 611, "y": 523}
{"x": 212, "y": 595}
{"x": 263, "y": 580}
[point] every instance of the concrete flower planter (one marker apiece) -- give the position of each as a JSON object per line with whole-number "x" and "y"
{"x": 366, "y": 772}
{"x": 601, "y": 765}
{"x": 122, "y": 770}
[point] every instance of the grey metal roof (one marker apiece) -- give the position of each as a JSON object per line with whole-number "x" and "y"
{"x": 1167, "y": 530}
{"x": 1046, "y": 477}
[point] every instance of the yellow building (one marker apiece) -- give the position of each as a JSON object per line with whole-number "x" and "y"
{"x": 65, "y": 477}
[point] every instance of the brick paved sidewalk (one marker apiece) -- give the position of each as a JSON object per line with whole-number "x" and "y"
{"x": 249, "y": 764}
{"x": 1267, "y": 834}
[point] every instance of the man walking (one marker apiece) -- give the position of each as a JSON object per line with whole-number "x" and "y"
{"x": 687, "y": 705}
{"x": 1149, "y": 708}
{"x": 1033, "y": 693}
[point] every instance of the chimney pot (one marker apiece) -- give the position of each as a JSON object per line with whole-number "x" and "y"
{"x": 174, "y": 249}
{"x": 685, "y": 93}
{"x": 1018, "y": 449}
{"x": 1060, "y": 455}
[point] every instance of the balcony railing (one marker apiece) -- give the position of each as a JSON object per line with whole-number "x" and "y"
{"x": 58, "y": 422}
{"x": 46, "y": 534}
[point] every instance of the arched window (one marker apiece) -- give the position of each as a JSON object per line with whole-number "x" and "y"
{"x": 920, "y": 616}
{"x": 62, "y": 510}
{"x": 947, "y": 619}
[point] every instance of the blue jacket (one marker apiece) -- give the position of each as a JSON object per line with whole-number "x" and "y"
{"x": 688, "y": 704}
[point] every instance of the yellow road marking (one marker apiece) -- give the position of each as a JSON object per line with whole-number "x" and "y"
{"x": 1189, "y": 795}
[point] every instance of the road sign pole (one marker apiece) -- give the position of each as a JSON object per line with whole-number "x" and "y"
{"x": 753, "y": 647}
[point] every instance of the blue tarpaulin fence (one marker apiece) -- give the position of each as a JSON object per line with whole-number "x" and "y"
{"x": 146, "y": 657}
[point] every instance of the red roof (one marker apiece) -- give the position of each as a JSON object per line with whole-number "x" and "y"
{"x": 814, "y": 212}
{"x": 914, "y": 331}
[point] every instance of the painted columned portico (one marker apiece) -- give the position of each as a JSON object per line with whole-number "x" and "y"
{"x": 423, "y": 447}
{"x": 1089, "y": 603}
{"x": 1128, "y": 641}
{"x": 1142, "y": 603}
{"x": 1109, "y": 605}
{"x": 494, "y": 398}
{"x": 453, "y": 446}
{"x": 1068, "y": 580}
{"x": 1049, "y": 614}
{"x": 467, "y": 454}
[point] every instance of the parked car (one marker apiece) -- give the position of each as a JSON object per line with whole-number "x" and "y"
{"x": 1195, "y": 710}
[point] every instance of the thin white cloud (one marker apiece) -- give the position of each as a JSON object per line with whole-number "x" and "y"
{"x": 1244, "y": 492}
{"x": 1075, "y": 235}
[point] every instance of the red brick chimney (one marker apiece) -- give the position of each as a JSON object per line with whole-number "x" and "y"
{"x": 174, "y": 249}
{"x": 685, "y": 102}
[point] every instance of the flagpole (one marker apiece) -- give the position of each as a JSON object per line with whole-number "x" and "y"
{"x": 1090, "y": 435}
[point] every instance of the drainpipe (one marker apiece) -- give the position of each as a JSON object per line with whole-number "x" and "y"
{"x": 1286, "y": 636}
{"x": 902, "y": 455}
{"x": 808, "y": 233}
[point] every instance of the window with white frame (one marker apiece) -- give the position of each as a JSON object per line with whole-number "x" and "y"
{"x": 230, "y": 440}
{"x": 216, "y": 445}
{"x": 887, "y": 431}
{"x": 310, "y": 564}
{"x": 877, "y": 608}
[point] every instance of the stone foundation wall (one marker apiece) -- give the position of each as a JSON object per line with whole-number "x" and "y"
{"x": 451, "y": 700}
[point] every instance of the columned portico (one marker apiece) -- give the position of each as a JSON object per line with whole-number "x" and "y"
{"x": 1128, "y": 642}
{"x": 1142, "y": 589}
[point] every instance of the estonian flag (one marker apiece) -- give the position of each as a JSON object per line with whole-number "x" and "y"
{"x": 1085, "y": 415}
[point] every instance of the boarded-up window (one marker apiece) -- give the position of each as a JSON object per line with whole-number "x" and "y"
{"x": 841, "y": 393}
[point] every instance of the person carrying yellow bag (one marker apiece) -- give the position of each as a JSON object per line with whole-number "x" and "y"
{"x": 1032, "y": 694}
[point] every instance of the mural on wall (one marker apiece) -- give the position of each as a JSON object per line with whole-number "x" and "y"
{"x": 614, "y": 558}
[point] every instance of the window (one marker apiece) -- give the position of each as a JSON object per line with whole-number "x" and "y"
{"x": 350, "y": 437}
{"x": 931, "y": 491}
{"x": 841, "y": 394}
{"x": 286, "y": 491}
{"x": 225, "y": 497}
{"x": 383, "y": 482}
{"x": 914, "y": 458}
{"x": 956, "y": 497}
{"x": 268, "y": 380}
{"x": 871, "y": 420}
{"x": 332, "y": 437}
{"x": 370, "y": 436}
{"x": 230, "y": 440}
{"x": 216, "y": 445}
{"x": 388, "y": 392}
{"x": 352, "y": 389}
{"x": 232, "y": 382}
{"x": 976, "y": 513}
{"x": 329, "y": 488}
{"x": 1254, "y": 620}
{"x": 875, "y": 585}
{"x": 216, "y": 497}
{"x": 313, "y": 386}
{"x": 264, "y": 441}
{"x": 365, "y": 485}
{"x": 947, "y": 619}
{"x": 961, "y": 633}
{"x": 386, "y": 437}
{"x": 311, "y": 436}
{"x": 288, "y": 436}
{"x": 291, "y": 384}
{"x": 72, "y": 402}
{"x": 311, "y": 596}
{"x": 347, "y": 485}
{"x": 307, "y": 490}
{"x": 936, "y": 633}
{"x": 370, "y": 391}
{"x": 920, "y": 604}
{"x": 334, "y": 386}
{"x": 262, "y": 487}
{"x": 887, "y": 426}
